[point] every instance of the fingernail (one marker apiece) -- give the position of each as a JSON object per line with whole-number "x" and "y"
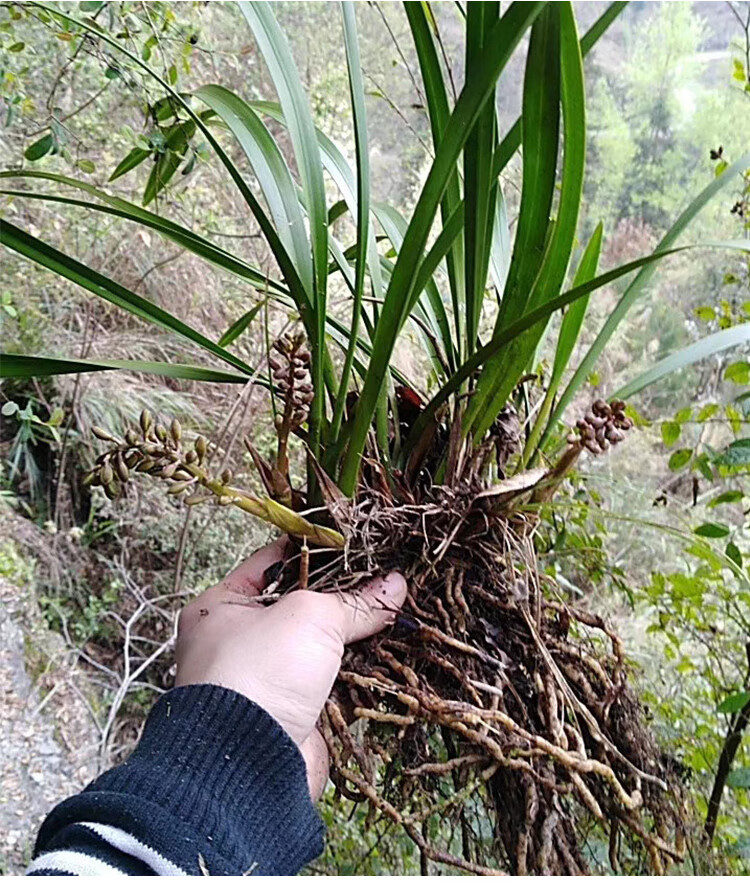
{"x": 395, "y": 586}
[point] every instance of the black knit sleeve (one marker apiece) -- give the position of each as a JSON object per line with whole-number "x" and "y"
{"x": 215, "y": 787}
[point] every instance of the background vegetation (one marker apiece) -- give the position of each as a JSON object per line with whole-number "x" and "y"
{"x": 642, "y": 534}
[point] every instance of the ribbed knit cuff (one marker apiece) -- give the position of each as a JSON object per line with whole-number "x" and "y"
{"x": 213, "y": 776}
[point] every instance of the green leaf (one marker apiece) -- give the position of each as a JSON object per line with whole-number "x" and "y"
{"x": 296, "y": 108}
{"x": 512, "y": 139}
{"x": 280, "y": 255}
{"x": 541, "y": 250}
{"x": 638, "y": 285}
{"x": 38, "y": 251}
{"x": 670, "y": 432}
{"x": 161, "y": 173}
{"x": 425, "y": 36}
{"x": 400, "y": 298}
{"x": 16, "y": 47}
{"x": 20, "y": 366}
{"x": 56, "y": 417}
{"x": 131, "y": 160}
{"x": 574, "y": 316}
{"x": 726, "y": 497}
{"x": 738, "y": 372}
{"x": 86, "y": 165}
{"x": 705, "y": 313}
{"x": 239, "y": 326}
{"x": 739, "y": 778}
{"x": 498, "y": 343}
{"x": 680, "y": 458}
{"x": 40, "y": 148}
{"x": 357, "y": 94}
{"x": 480, "y": 183}
{"x": 734, "y": 553}
{"x": 570, "y": 329}
{"x": 10, "y": 407}
{"x": 719, "y": 341}
{"x": 131, "y": 212}
{"x": 272, "y": 172}
{"x": 706, "y": 412}
{"x": 712, "y": 530}
{"x": 684, "y": 415}
{"x": 736, "y": 454}
{"x": 734, "y": 703}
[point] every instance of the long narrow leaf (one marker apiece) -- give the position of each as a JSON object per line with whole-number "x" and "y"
{"x": 499, "y": 341}
{"x": 422, "y": 24}
{"x": 480, "y": 183}
{"x": 49, "y": 257}
{"x": 536, "y": 257}
{"x": 501, "y": 42}
{"x": 277, "y": 247}
{"x": 357, "y": 93}
{"x": 570, "y": 329}
{"x": 241, "y": 324}
{"x": 296, "y": 107}
{"x": 640, "y": 282}
{"x": 691, "y": 354}
{"x": 512, "y": 139}
{"x": 21, "y": 366}
{"x": 178, "y": 234}
{"x": 342, "y": 175}
{"x": 271, "y": 171}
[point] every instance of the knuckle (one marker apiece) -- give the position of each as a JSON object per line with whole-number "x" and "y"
{"x": 306, "y": 601}
{"x": 320, "y": 607}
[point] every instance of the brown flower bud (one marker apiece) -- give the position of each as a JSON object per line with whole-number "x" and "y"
{"x": 146, "y": 421}
{"x": 123, "y": 473}
{"x": 194, "y": 499}
{"x": 182, "y": 475}
{"x": 102, "y": 434}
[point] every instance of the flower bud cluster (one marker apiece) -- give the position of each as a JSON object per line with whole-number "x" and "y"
{"x": 290, "y": 370}
{"x": 603, "y": 425}
{"x": 154, "y": 449}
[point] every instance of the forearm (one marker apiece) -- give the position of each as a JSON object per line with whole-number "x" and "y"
{"x": 214, "y": 787}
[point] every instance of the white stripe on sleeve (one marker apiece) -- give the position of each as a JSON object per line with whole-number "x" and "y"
{"x": 128, "y": 844}
{"x": 75, "y": 862}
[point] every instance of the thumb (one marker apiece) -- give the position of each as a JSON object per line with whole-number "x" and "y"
{"x": 373, "y": 606}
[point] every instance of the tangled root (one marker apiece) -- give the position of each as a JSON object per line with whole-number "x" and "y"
{"x": 495, "y": 723}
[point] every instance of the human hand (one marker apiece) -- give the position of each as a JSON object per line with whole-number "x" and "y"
{"x": 283, "y": 657}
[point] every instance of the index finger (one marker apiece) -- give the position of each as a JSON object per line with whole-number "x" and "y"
{"x": 248, "y": 577}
